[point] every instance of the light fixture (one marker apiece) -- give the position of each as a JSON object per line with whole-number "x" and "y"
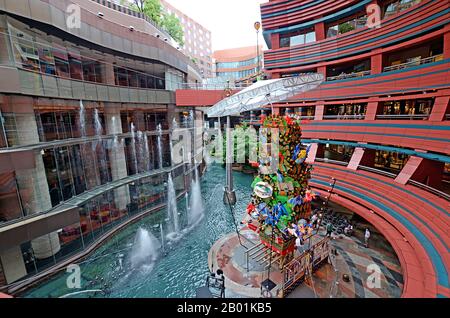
{"x": 131, "y": 28}
{"x": 100, "y": 14}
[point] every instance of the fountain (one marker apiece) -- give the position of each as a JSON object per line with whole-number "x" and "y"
{"x": 147, "y": 153}
{"x": 196, "y": 206}
{"x": 133, "y": 148}
{"x": 186, "y": 197}
{"x": 160, "y": 158}
{"x": 172, "y": 211}
{"x": 82, "y": 115}
{"x": 145, "y": 249}
{"x": 140, "y": 150}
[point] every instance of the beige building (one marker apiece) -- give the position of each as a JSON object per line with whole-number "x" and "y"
{"x": 197, "y": 40}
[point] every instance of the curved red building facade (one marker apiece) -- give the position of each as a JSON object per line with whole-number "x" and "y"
{"x": 378, "y": 124}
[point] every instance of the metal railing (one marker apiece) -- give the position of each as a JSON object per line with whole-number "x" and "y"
{"x": 336, "y": 162}
{"x": 404, "y": 116}
{"x": 348, "y": 75}
{"x": 378, "y": 171}
{"x": 133, "y": 13}
{"x": 390, "y": 175}
{"x": 429, "y": 189}
{"x": 353, "y": 116}
{"x": 214, "y": 86}
{"x": 426, "y": 60}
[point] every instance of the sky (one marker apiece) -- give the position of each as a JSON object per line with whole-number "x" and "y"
{"x": 230, "y": 21}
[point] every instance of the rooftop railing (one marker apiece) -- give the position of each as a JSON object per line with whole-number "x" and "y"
{"x": 133, "y": 13}
{"x": 349, "y": 75}
{"x": 426, "y": 60}
{"x": 214, "y": 86}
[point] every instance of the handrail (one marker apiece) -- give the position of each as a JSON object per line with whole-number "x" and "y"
{"x": 378, "y": 171}
{"x": 74, "y": 202}
{"x": 326, "y": 160}
{"x": 430, "y": 189}
{"x": 403, "y": 116}
{"x": 213, "y": 86}
{"x": 390, "y": 175}
{"x": 354, "y": 116}
{"x": 348, "y": 75}
{"x": 426, "y": 60}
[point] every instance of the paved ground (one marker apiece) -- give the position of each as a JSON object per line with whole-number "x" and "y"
{"x": 352, "y": 259}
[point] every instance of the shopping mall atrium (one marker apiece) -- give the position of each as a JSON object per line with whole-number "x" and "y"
{"x": 318, "y": 168}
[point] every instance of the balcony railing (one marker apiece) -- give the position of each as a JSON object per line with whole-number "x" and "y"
{"x": 214, "y": 86}
{"x": 390, "y": 175}
{"x": 405, "y": 116}
{"x": 133, "y": 13}
{"x": 426, "y": 60}
{"x": 354, "y": 116}
{"x": 349, "y": 75}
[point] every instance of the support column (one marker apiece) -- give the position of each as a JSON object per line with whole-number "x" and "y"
{"x": 441, "y": 107}
{"x": 373, "y": 108}
{"x": 319, "y": 111}
{"x": 319, "y": 29}
{"x": 32, "y": 182}
{"x": 447, "y": 42}
{"x": 229, "y": 191}
{"x": 275, "y": 39}
{"x": 12, "y": 266}
{"x": 376, "y": 62}
{"x": 117, "y": 157}
{"x": 312, "y": 153}
{"x": 422, "y": 170}
{"x": 355, "y": 160}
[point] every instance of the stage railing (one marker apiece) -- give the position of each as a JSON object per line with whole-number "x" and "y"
{"x": 296, "y": 270}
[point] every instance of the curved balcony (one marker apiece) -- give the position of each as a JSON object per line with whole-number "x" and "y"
{"x": 421, "y": 22}
{"x": 110, "y": 32}
{"x": 283, "y": 13}
{"x": 417, "y": 230}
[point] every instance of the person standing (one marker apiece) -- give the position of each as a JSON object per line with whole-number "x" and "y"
{"x": 329, "y": 229}
{"x": 366, "y": 238}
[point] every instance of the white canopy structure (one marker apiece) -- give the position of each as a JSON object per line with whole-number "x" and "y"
{"x": 265, "y": 92}
{"x": 253, "y": 97}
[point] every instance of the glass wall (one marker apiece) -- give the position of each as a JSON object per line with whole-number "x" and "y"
{"x": 390, "y": 161}
{"x": 302, "y": 37}
{"x": 338, "y": 152}
{"x": 102, "y": 213}
{"x": 346, "y": 25}
{"x": 419, "y": 108}
{"x": 345, "y": 111}
{"x": 34, "y": 53}
{"x": 248, "y": 62}
{"x": 395, "y": 6}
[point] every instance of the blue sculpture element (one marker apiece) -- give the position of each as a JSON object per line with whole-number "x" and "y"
{"x": 296, "y": 200}
{"x": 262, "y": 209}
{"x": 279, "y": 210}
{"x": 271, "y": 220}
{"x": 296, "y": 152}
{"x": 279, "y": 176}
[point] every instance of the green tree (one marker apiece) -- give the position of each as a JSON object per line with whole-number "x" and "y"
{"x": 173, "y": 26}
{"x": 151, "y": 8}
{"x": 154, "y": 10}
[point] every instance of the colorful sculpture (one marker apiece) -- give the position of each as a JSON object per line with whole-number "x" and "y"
{"x": 289, "y": 198}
